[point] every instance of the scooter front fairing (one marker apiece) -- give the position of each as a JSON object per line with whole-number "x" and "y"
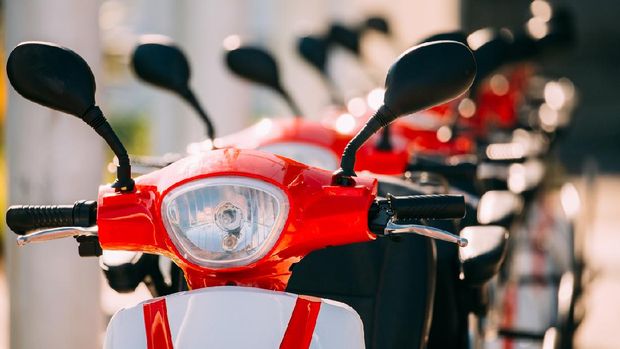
{"x": 236, "y": 317}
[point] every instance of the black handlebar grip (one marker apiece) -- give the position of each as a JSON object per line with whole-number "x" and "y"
{"x": 427, "y": 206}
{"x": 22, "y": 218}
{"x": 466, "y": 170}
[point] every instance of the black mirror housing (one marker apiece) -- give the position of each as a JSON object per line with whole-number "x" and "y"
{"x": 52, "y": 76}
{"x": 422, "y": 77}
{"x": 162, "y": 64}
{"x": 427, "y": 75}
{"x": 60, "y": 79}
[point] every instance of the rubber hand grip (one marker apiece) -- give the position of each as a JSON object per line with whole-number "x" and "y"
{"x": 23, "y": 218}
{"x": 427, "y": 206}
{"x": 457, "y": 170}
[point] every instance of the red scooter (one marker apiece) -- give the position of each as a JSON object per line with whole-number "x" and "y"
{"x": 236, "y": 220}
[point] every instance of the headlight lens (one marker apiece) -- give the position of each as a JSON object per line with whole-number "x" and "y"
{"x": 224, "y": 222}
{"x": 305, "y": 153}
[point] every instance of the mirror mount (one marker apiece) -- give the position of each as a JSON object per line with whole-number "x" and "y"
{"x": 190, "y": 98}
{"x": 95, "y": 119}
{"x": 382, "y": 117}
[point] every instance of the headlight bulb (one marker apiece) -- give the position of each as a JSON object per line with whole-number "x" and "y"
{"x": 229, "y": 217}
{"x": 230, "y": 242}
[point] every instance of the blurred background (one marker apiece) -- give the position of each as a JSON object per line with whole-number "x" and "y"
{"x": 48, "y": 291}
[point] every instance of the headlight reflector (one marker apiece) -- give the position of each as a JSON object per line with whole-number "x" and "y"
{"x": 223, "y": 222}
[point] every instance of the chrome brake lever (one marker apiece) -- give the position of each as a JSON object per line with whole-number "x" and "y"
{"x": 56, "y": 233}
{"x": 392, "y": 228}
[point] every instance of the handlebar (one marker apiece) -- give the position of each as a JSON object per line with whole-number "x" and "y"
{"x": 427, "y": 206}
{"x": 464, "y": 169}
{"x": 398, "y": 215}
{"x": 23, "y": 218}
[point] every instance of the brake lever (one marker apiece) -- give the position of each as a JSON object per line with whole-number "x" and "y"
{"x": 56, "y": 233}
{"x": 393, "y": 228}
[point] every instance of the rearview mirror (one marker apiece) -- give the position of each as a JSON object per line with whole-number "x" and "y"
{"x": 158, "y": 61}
{"x": 161, "y": 63}
{"x": 422, "y": 77}
{"x": 347, "y": 38}
{"x": 59, "y": 78}
{"x": 379, "y": 24}
{"x": 427, "y": 75}
{"x": 257, "y": 65}
{"x": 254, "y": 64}
{"x": 314, "y": 51}
{"x": 52, "y": 76}
{"x": 457, "y": 36}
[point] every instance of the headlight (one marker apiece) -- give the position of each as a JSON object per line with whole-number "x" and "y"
{"x": 311, "y": 155}
{"x": 223, "y": 222}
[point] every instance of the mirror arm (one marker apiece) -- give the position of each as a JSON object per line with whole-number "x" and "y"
{"x": 385, "y": 142}
{"x": 195, "y": 104}
{"x": 383, "y": 117}
{"x": 290, "y": 102}
{"x": 95, "y": 119}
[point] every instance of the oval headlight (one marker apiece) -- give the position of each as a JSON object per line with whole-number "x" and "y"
{"x": 223, "y": 222}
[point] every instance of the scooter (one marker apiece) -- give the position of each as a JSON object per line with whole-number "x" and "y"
{"x": 236, "y": 221}
{"x": 272, "y": 79}
{"x": 305, "y": 134}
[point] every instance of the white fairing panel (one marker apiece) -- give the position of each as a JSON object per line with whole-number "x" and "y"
{"x": 236, "y": 317}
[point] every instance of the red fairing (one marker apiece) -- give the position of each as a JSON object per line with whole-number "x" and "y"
{"x": 497, "y": 107}
{"x": 320, "y": 214}
{"x": 369, "y": 158}
{"x": 407, "y": 138}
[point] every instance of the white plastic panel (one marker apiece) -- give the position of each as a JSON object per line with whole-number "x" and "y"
{"x": 236, "y": 317}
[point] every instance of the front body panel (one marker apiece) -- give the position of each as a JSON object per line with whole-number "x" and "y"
{"x": 236, "y": 317}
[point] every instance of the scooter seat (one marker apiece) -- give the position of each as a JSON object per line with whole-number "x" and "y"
{"x": 482, "y": 258}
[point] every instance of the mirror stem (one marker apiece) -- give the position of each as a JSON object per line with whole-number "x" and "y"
{"x": 383, "y": 117}
{"x": 291, "y": 103}
{"x": 193, "y": 101}
{"x": 385, "y": 142}
{"x": 335, "y": 96}
{"x": 95, "y": 119}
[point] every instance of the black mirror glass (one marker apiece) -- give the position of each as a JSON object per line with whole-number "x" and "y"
{"x": 159, "y": 62}
{"x": 427, "y": 75}
{"x": 52, "y": 76}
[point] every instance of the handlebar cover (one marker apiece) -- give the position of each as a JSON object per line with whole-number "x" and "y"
{"x": 22, "y": 218}
{"x": 427, "y": 206}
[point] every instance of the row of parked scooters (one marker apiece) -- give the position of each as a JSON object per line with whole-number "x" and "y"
{"x": 435, "y": 228}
